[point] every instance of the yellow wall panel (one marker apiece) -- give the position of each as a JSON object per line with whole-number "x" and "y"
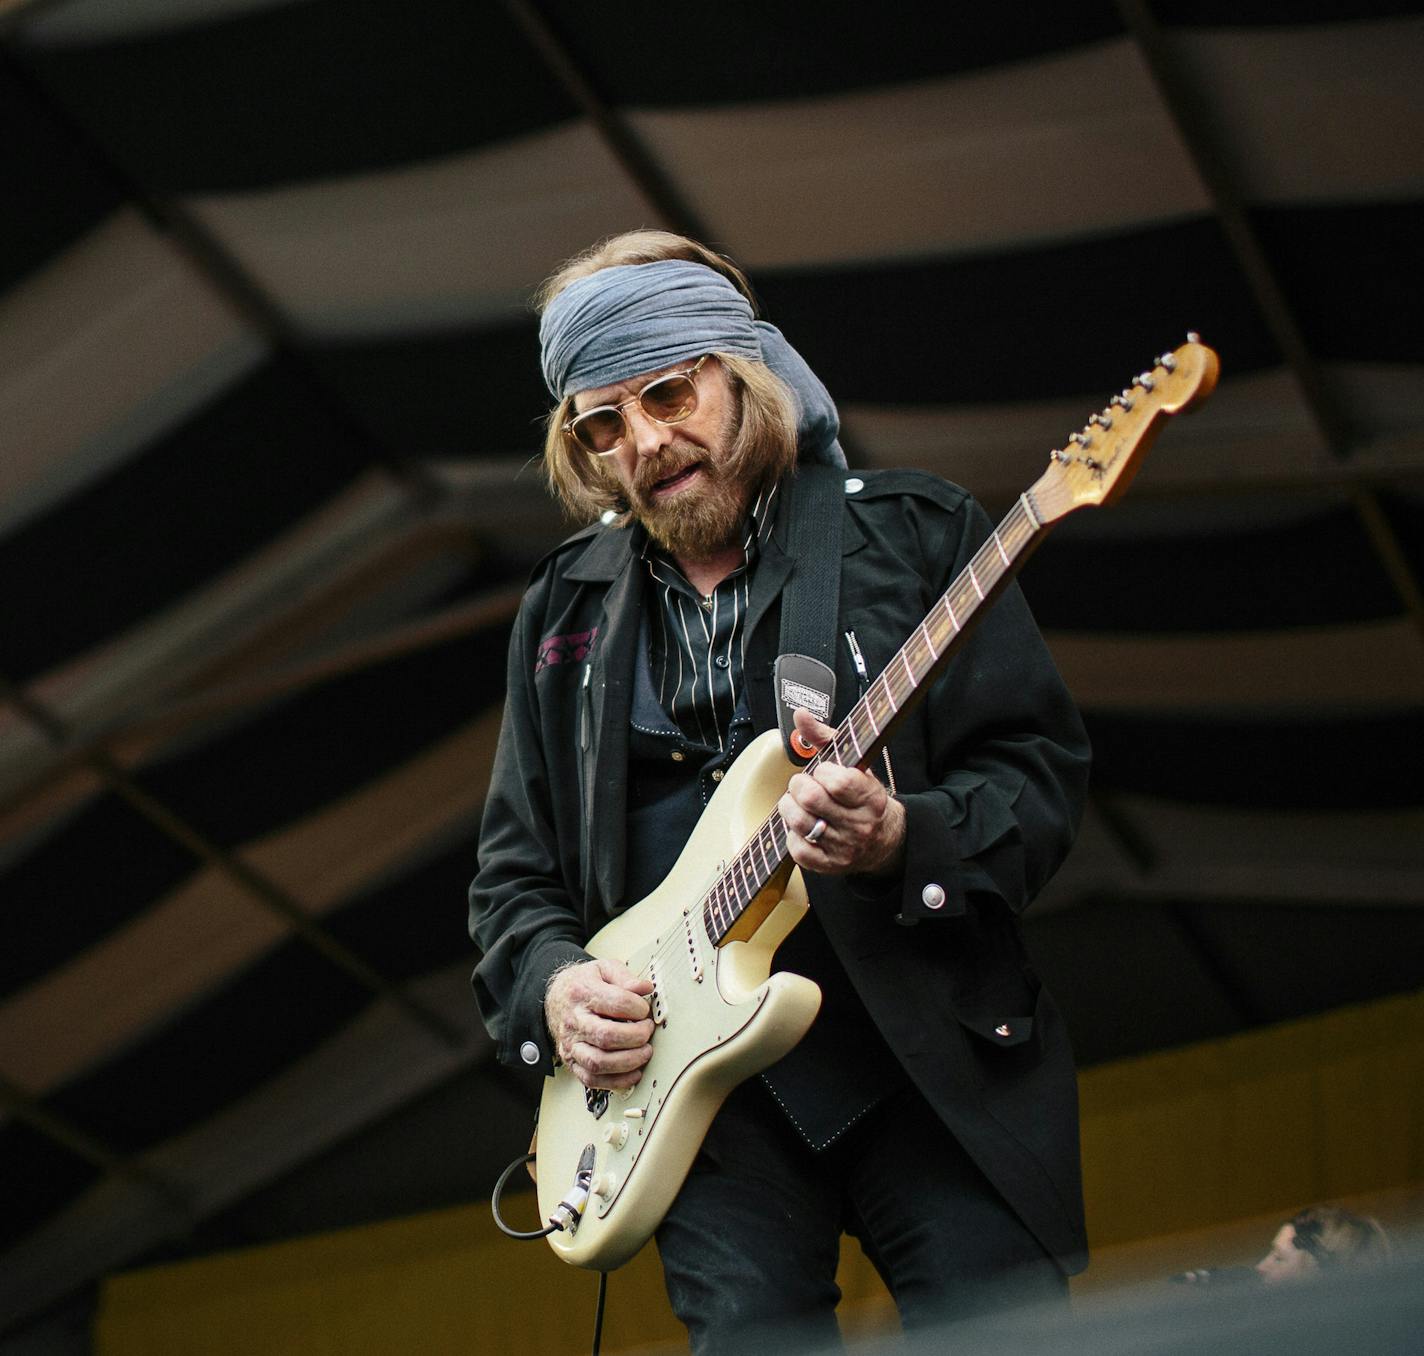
{"x": 1176, "y": 1146}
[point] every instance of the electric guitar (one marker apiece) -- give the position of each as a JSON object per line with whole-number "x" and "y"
{"x": 610, "y": 1163}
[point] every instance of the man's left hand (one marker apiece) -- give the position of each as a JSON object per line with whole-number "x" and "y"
{"x": 864, "y": 827}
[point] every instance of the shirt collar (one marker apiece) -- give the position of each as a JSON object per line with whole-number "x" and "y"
{"x": 756, "y": 528}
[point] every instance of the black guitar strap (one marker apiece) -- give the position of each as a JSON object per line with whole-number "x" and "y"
{"x": 804, "y": 675}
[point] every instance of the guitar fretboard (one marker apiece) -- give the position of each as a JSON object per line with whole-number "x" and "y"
{"x": 865, "y": 731}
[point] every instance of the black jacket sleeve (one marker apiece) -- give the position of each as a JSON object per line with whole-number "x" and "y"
{"x": 996, "y": 766}
{"x": 524, "y": 915}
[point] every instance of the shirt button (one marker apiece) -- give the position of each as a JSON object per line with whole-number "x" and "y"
{"x": 678, "y": 755}
{"x": 529, "y": 1052}
{"x": 933, "y": 896}
{"x": 721, "y": 661}
{"x": 854, "y": 485}
{"x": 717, "y": 774}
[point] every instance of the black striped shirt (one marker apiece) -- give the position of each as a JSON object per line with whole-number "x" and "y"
{"x": 697, "y": 642}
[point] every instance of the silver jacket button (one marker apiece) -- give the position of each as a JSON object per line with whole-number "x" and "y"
{"x": 933, "y": 896}
{"x": 529, "y": 1052}
{"x": 1003, "y": 1029}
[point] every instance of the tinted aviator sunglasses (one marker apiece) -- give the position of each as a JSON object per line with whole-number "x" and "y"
{"x": 667, "y": 399}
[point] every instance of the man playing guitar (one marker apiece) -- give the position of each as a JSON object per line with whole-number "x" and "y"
{"x": 931, "y": 1109}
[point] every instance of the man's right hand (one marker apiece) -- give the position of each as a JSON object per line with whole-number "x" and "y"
{"x": 598, "y": 1016}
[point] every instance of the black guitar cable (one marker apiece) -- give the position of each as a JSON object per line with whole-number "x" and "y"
{"x": 499, "y": 1191}
{"x": 569, "y": 1211}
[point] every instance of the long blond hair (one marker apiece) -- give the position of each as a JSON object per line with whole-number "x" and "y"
{"x": 767, "y": 426}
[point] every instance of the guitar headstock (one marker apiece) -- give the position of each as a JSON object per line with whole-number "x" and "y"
{"x": 1099, "y": 461}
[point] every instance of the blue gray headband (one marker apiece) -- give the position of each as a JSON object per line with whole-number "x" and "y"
{"x": 634, "y": 318}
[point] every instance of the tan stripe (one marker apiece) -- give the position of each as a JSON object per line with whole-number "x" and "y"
{"x": 1215, "y": 853}
{"x": 101, "y": 352}
{"x": 208, "y": 928}
{"x": 1372, "y": 665}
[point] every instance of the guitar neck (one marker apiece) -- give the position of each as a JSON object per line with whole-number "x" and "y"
{"x": 858, "y": 740}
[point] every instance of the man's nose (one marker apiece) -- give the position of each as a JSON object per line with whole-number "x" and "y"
{"x": 647, "y": 435}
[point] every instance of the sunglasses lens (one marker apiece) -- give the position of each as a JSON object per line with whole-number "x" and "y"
{"x": 599, "y": 431}
{"x": 669, "y": 399}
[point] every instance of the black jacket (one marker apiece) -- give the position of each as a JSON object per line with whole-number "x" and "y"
{"x": 992, "y": 769}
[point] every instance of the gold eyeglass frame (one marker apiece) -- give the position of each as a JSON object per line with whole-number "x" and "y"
{"x": 690, "y": 374}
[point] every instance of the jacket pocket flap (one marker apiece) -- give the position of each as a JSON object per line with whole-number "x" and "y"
{"x": 1000, "y": 1030}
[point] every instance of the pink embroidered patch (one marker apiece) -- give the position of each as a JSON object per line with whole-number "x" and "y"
{"x": 569, "y": 649}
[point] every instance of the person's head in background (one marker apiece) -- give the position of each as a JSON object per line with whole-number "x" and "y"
{"x": 1319, "y": 1240}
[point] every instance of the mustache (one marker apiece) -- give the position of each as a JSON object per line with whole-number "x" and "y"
{"x": 674, "y": 460}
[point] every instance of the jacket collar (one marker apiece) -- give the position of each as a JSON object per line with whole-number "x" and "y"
{"x": 606, "y": 553}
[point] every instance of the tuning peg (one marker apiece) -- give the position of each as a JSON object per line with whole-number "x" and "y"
{"x": 1193, "y": 337}
{"x": 1103, "y": 421}
{"x": 1082, "y": 439}
{"x": 1123, "y": 401}
{"x": 1145, "y": 381}
{"x": 1168, "y": 362}
{"x": 1057, "y": 455}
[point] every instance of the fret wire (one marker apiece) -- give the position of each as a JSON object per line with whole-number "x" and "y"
{"x": 884, "y": 685}
{"x": 993, "y": 566}
{"x": 985, "y": 564}
{"x": 754, "y": 872}
{"x": 898, "y": 694}
{"x": 850, "y": 730}
{"x": 929, "y": 640}
{"x": 1025, "y": 519}
{"x": 973, "y": 580}
{"x": 761, "y": 847}
{"x": 1000, "y": 545}
{"x": 949, "y": 607}
{"x": 915, "y": 648}
{"x": 909, "y": 672}
{"x": 844, "y": 733}
{"x": 745, "y": 892}
{"x": 777, "y": 829}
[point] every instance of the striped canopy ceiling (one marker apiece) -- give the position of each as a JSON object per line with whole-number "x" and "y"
{"x": 268, "y": 404}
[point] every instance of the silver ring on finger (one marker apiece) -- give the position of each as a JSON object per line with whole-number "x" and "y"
{"x": 816, "y": 830}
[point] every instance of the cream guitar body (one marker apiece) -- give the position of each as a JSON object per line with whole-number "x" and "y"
{"x": 720, "y": 1016}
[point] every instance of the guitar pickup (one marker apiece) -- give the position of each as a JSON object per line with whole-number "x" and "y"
{"x": 655, "y": 999}
{"x": 694, "y": 956}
